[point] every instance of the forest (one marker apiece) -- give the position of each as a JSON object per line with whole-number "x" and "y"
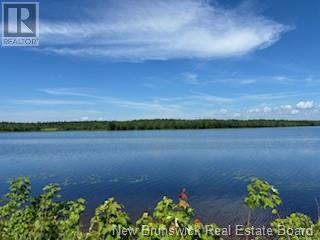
{"x": 152, "y": 124}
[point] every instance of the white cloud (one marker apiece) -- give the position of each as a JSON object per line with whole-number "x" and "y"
{"x": 223, "y": 111}
{"x": 285, "y": 111}
{"x": 267, "y": 109}
{"x": 285, "y": 107}
{"x": 304, "y": 105}
{"x": 254, "y": 110}
{"x": 262, "y": 110}
{"x": 294, "y": 111}
{"x": 144, "y": 30}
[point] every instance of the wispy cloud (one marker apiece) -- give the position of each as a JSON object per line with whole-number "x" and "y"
{"x": 151, "y": 106}
{"x": 148, "y": 85}
{"x": 37, "y": 115}
{"x": 65, "y": 92}
{"x": 48, "y": 102}
{"x": 272, "y": 96}
{"x": 190, "y": 78}
{"x": 144, "y": 30}
{"x": 177, "y": 101}
{"x": 194, "y": 105}
{"x": 196, "y": 78}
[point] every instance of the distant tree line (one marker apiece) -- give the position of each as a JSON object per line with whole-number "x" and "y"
{"x": 154, "y": 124}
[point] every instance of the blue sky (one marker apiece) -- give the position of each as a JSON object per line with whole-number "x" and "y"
{"x": 107, "y": 60}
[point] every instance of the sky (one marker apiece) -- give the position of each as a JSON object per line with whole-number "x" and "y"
{"x": 125, "y": 59}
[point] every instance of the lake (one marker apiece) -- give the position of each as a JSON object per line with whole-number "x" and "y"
{"x": 139, "y": 167}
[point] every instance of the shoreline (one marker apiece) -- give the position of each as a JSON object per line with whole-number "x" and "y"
{"x": 152, "y": 124}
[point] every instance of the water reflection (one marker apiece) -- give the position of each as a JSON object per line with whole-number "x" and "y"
{"x": 139, "y": 167}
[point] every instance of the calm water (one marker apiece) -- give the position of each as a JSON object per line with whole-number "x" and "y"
{"x": 139, "y": 167}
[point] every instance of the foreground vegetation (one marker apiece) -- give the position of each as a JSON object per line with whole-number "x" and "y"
{"x": 23, "y": 217}
{"x": 150, "y": 125}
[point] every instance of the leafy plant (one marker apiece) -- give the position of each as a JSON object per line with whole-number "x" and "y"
{"x": 23, "y": 217}
{"x": 108, "y": 222}
{"x": 46, "y": 217}
{"x": 294, "y": 227}
{"x": 261, "y": 194}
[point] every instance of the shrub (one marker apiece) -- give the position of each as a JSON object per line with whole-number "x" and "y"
{"x": 46, "y": 217}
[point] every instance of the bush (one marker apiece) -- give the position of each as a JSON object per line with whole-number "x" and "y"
{"x": 45, "y": 217}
